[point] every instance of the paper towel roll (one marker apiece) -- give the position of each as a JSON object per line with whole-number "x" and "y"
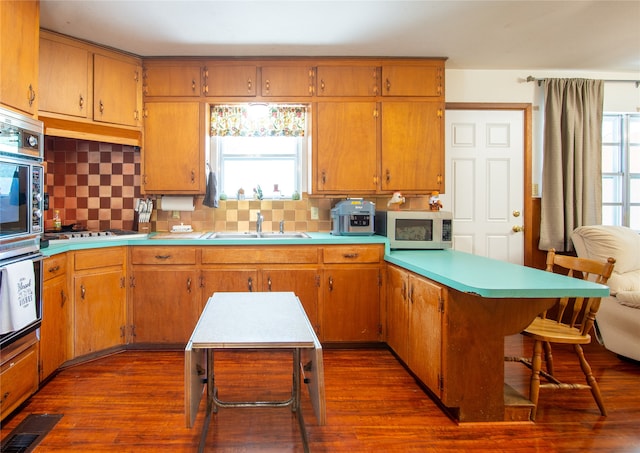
{"x": 173, "y": 203}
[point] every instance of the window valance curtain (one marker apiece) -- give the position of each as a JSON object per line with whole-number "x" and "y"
{"x": 572, "y": 160}
{"x": 258, "y": 121}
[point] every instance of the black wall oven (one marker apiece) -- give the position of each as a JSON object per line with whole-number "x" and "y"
{"x": 21, "y": 221}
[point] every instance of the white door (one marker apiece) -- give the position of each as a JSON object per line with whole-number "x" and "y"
{"x": 484, "y": 181}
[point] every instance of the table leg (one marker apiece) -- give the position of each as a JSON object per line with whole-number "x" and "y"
{"x": 211, "y": 407}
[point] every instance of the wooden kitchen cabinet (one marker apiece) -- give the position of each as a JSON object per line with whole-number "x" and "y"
{"x": 415, "y": 312}
{"x": 173, "y": 152}
{"x": 117, "y": 90}
{"x": 66, "y": 74}
{"x": 345, "y": 151}
{"x": 347, "y": 81}
{"x": 287, "y": 81}
{"x": 425, "y": 79}
{"x": 18, "y": 373}
{"x": 351, "y": 294}
{"x": 99, "y": 299}
{"x": 19, "y": 31}
{"x": 230, "y": 80}
{"x": 166, "y": 297}
{"x": 412, "y": 147}
{"x": 172, "y": 79}
{"x": 55, "y": 331}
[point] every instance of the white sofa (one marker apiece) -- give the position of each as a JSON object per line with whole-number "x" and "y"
{"x": 618, "y": 321}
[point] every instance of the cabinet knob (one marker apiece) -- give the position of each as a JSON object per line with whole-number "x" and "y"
{"x": 81, "y": 102}
{"x": 83, "y": 292}
{"x": 330, "y": 283}
{"x": 388, "y": 85}
{"x": 250, "y": 284}
{"x": 267, "y": 85}
{"x": 249, "y": 85}
{"x": 101, "y": 106}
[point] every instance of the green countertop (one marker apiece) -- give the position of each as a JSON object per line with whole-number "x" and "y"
{"x": 461, "y": 271}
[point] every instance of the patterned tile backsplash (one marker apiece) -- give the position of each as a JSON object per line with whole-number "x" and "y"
{"x": 95, "y": 184}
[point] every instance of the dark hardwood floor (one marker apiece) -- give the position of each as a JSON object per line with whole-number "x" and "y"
{"x": 134, "y": 402}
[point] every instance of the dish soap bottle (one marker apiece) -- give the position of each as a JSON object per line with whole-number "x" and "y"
{"x": 57, "y": 222}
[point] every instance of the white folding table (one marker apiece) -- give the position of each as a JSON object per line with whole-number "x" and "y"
{"x": 261, "y": 320}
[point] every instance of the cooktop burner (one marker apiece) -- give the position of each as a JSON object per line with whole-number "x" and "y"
{"x": 83, "y": 235}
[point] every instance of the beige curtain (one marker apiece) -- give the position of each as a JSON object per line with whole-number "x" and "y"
{"x": 571, "y": 169}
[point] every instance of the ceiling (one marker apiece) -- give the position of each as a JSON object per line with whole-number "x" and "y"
{"x": 477, "y": 34}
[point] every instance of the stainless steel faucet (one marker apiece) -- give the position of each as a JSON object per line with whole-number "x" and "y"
{"x": 259, "y": 220}
{"x": 282, "y": 226}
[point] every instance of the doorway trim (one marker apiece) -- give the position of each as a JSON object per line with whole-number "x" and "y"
{"x": 531, "y": 206}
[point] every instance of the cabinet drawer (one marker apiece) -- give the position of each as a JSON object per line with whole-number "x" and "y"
{"x": 54, "y": 266}
{"x": 353, "y": 254}
{"x": 99, "y": 258}
{"x": 163, "y": 255}
{"x": 18, "y": 380}
{"x": 259, "y": 255}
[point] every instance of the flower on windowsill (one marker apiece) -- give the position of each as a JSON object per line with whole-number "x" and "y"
{"x": 257, "y": 193}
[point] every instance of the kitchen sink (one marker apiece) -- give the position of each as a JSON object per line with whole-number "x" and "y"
{"x": 264, "y": 235}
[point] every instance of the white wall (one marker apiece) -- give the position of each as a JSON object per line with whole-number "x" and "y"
{"x": 510, "y": 86}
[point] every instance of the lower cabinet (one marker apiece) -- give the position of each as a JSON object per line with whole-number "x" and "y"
{"x": 165, "y": 294}
{"x": 55, "y": 335}
{"x": 99, "y": 297}
{"x": 303, "y": 282}
{"x": 415, "y": 313}
{"x": 18, "y": 373}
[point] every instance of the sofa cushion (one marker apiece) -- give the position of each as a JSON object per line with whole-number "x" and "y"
{"x": 629, "y": 298}
{"x": 599, "y": 242}
{"x": 629, "y": 281}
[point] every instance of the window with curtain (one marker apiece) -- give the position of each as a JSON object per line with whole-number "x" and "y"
{"x": 621, "y": 170}
{"x": 259, "y": 148}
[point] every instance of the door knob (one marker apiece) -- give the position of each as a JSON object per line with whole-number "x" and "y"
{"x": 517, "y": 228}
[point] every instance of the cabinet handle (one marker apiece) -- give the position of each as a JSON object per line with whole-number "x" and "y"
{"x": 63, "y": 298}
{"x": 189, "y": 284}
{"x": 330, "y": 283}
{"x": 388, "y": 176}
{"x": 5, "y": 395}
{"x": 136, "y": 76}
{"x": 81, "y": 102}
{"x": 163, "y": 257}
{"x": 101, "y": 107}
{"x": 250, "y": 284}
{"x": 388, "y": 85}
{"x": 136, "y": 115}
{"x": 193, "y": 177}
{"x": 269, "y": 282}
{"x": 249, "y": 84}
{"x": 193, "y": 85}
{"x": 83, "y": 292}
{"x": 322, "y": 85}
{"x": 267, "y": 85}
{"x": 350, "y": 255}
{"x": 324, "y": 177}
{"x": 54, "y": 269}
{"x": 32, "y": 95}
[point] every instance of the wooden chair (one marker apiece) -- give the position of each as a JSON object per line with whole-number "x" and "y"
{"x": 572, "y": 320}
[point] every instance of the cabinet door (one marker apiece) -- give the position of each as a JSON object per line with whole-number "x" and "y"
{"x": 166, "y": 305}
{"x": 116, "y": 84}
{"x": 412, "y": 146}
{"x": 348, "y": 81}
{"x": 55, "y": 342}
{"x": 64, "y": 70}
{"x": 397, "y": 310}
{"x": 425, "y": 331}
{"x": 413, "y": 80}
{"x": 346, "y": 147}
{"x": 181, "y": 79}
{"x": 351, "y": 304}
{"x": 228, "y": 280}
{"x": 18, "y": 380}
{"x": 303, "y": 282}
{"x": 173, "y": 156}
{"x": 99, "y": 307}
{"x": 287, "y": 81}
{"x": 19, "y": 30}
{"x": 231, "y": 80}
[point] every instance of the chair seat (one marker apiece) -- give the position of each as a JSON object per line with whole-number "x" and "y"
{"x": 544, "y": 329}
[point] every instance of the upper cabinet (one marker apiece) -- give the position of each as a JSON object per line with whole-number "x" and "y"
{"x": 89, "y": 92}
{"x": 230, "y": 80}
{"x": 348, "y": 81}
{"x": 425, "y": 79}
{"x": 287, "y": 81}
{"x": 19, "y": 30}
{"x": 172, "y": 78}
{"x": 67, "y": 68}
{"x": 116, "y": 84}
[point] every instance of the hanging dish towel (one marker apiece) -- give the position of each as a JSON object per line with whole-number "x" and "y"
{"x": 17, "y": 296}
{"x": 211, "y": 196}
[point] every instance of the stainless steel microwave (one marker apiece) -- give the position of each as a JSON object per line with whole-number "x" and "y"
{"x": 418, "y": 230}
